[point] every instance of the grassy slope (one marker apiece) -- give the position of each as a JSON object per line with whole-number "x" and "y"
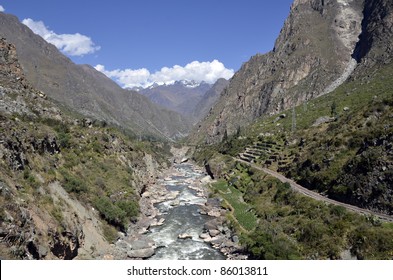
{"x": 275, "y": 222}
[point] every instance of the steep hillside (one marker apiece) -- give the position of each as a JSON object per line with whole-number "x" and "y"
{"x": 312, "y": 55}
{"x": 339, "y": 145}
{"x": 209, "y": 99}
{"x": 67, "y": 186}
{"x": 86, "y": 90}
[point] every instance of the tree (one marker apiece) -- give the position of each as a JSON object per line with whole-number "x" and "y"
{"x": 333, "y": 109}
{"x": 293, "y": 119}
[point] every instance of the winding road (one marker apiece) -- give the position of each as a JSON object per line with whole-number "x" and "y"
{"x": 315, "y": 195}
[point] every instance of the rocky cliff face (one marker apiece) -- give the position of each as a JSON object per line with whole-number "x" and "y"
{"x": 375, "y": 43}
{"x": 209, "y": 99}
{"x": 86, "y": 90}
{"x": 312, "y": 56}
{"x": 16, "y": 93}
{"x": 11, "y": 72}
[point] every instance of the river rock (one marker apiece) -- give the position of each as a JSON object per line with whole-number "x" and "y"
{"x": 217, "y": 241}
{"x": 156, "y": 223}
{"x": 225, "y": 230}
{"x": 214, "y": 232}
{"x": 143, "y": 243}
{"x": 183, "y": 160}
{"x": 144, "y": 225}
{"x": 214, "y": 213}
{"x": 206, "y": 180}
{"x": 204, "y": 236}
{"x": 213, "y": 202}
{"x": 235, "y": 239}
{"x": 184, "y": 236}
{"x": 171, "y": 195}
{"x": 146, "y": 194}
{"x": 123, "y": 245}
{"x": 141, "y": 253}
{"x": 175, "y": 202}
{"x": 210, "y": 225}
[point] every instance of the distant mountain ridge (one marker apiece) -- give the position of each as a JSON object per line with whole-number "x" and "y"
{"x": 184, "y": 97}
{"x": 186, "y": 83}
{"x": 84, "y": 89}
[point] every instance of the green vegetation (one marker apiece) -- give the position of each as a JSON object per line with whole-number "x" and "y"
{"x": 116, "y": 213}
{"x": 110, "y": 233}
{"x": 283, "y": 224}
{"x": 72, "y": 184}
{"x": 243, "y": 214}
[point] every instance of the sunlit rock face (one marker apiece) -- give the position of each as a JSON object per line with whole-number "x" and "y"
{"x": 313, "y": 55}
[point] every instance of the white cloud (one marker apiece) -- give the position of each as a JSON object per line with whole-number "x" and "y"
{"x": 2, "y": 9}
{"x": 196, "y": 71}
{"x": 70, "y": 44}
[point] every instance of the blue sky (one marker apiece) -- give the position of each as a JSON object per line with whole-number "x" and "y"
{"x": 131, "y": 41}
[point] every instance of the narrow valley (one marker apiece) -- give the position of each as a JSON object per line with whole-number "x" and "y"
{"x": 288, "y": 157}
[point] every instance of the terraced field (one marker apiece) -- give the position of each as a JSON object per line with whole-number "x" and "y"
{"x": 241, "y": 212}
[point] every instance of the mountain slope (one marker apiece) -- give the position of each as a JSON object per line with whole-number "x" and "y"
{"x": 209, "y": 99}
{"x": 339, "y": 145}
{"x": 84, "y": 89}
{"x": 182, "y": 96}
{"x": 312, "y": 55}
{"x": 54, "y": 169}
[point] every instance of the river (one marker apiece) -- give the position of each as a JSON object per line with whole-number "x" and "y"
{"x": 182, "y": 217}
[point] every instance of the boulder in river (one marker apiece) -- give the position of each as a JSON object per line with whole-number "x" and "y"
{"x": 143, "y": 243}
{"x": 175, "y": 202}
{"x": 157, "y": 223}
{"x": 214, "y": 213}
{"x": 184, "y": 236}
{"x": 212, "y": 224}
{"x": 214, "y": 232}
{"x": 204, "y": 236}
